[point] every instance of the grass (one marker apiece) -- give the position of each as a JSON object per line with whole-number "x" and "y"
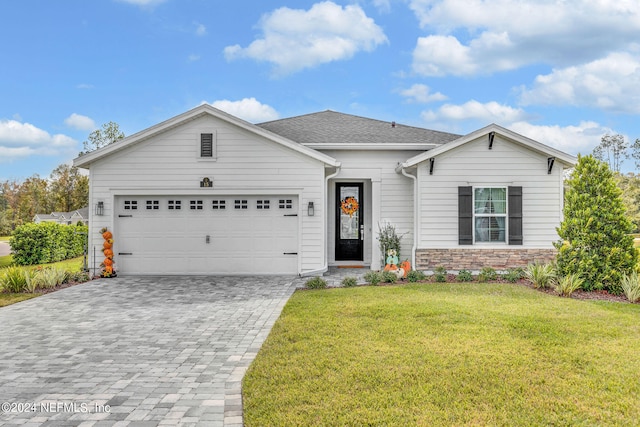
{"x": 446, "y": 354}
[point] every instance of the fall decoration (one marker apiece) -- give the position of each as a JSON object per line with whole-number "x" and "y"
{"x": 349, "y": 206}
{"x": 108, "y": 269}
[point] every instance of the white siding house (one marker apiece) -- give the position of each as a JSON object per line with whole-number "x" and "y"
{"x": 208, "y": 193}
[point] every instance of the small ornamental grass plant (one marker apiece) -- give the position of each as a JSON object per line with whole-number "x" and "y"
{"x": 316, "y": 283}
{"x": 12, "y": 279}
{"x": 631, "y": 286}
{"x": 568, "y": 284}
{"x": 542, "y": 276}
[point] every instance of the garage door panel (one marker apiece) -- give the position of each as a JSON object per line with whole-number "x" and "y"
{"x": 174, "y": 241}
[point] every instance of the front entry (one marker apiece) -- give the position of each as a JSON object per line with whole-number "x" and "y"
{"x": 349, "y": 222}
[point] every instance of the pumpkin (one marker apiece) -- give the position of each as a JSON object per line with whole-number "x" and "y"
{"x": 406, "y": 266}
{"x": 399, "y": 273}
{"x": 107, "y": 245}
{"x": 108, "y": 253}
{"x": 107, "y": 235}
{"x": 108, "y": 269}
{"x": 390, "y": 267}
{"x": 107, "y": 262}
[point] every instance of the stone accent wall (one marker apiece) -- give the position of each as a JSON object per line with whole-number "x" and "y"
{"x": 475, "y": 259}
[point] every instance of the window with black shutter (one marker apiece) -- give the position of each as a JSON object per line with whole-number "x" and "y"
{"x": 465, "y": 215}
{"x": 515, "y": 215}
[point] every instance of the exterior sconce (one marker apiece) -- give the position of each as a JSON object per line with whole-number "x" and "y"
{"x": 99, "y": 209}
{"x": 310, "y": 209}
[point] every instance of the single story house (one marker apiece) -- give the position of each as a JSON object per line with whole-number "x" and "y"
{"x": 68, "y": 218}
{"x": 208, "y": 193}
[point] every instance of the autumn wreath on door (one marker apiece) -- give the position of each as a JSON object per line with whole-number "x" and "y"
{"x": 349, "y": 206}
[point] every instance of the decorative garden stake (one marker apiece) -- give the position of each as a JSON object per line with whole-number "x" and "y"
{"x": 108, "y": 269}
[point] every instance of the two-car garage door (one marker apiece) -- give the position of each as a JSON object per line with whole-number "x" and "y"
{"x": 207, "y": 235}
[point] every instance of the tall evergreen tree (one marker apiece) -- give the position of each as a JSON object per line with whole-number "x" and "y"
{"x": 595, "y": 241}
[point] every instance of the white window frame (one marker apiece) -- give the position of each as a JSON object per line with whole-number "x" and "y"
{"x": 504, "y": 215}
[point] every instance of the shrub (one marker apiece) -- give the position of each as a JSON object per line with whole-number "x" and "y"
{"x": 388, "y": 277}
{"x": 316, "y": 283}
{"x": 12, "y": 279}
{"x": 487, "y": 274}
{"x": 595, "y": 241}
{"x": 416, "y": 276}
{"x": 372, "y": 277}
{"x": 465, "y": 276}
{"x": 631, "y": 286}
{"x": 568, "y": 284}
{"x": 513, "y": 274}
{"x": 349, "y": 282}
{"x": 31, "y": 280}
{"x": 440, "y": 274}
{"x": 389, "y": 239}
{"x": 78, "y": 277}
{"x": 540, "y": 275}
{"x": 47, "y": 242}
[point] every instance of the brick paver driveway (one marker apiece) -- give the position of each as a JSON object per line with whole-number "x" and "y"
{"x": 135, "y": 351}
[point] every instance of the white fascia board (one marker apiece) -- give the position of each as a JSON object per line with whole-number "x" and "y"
{"x": 199, "y": 111}
{"x": 356, "y": 146}
{"x": 567, "y": 159}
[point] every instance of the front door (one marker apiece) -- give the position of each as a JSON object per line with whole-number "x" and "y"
{"x": 349, "y": 222}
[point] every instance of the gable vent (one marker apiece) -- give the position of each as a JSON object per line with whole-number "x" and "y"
{"x": 206, "y": 145}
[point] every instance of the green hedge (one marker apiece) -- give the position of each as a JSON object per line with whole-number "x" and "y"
{"x": 47, "y": 242}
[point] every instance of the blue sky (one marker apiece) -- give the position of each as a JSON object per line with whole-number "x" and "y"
{"x": 563, "y": 72}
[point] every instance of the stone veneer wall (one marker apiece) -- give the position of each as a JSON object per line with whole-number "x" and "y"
{"x": 475, "y": 259}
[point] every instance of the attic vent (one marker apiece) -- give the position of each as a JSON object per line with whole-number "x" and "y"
{"x": 206, "y": 145}
{"x": 393, "y": 124}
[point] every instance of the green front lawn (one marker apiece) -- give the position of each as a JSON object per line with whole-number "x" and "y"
{"x": 446, "y": 354}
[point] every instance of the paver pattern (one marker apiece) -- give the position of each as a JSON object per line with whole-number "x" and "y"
{"x": 136, "y": 352}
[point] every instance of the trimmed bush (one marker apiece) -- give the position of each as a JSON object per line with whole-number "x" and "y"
{"x": 389, "y": 277}
{"x": 316, "y": 283}
{"x": 513, "y": 274}
{"x": 465, "y": 276}
{"x": 487, "y": 274}
{"x": 372, "y": 277}
{"x": 47, "y": 242}
{"x": 349, "y": 282}
{"x": 416, "y": 276}
{"x": 440, "y": 274}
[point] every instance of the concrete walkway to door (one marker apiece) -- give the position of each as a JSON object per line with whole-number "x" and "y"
{"x": 136, "y": 351}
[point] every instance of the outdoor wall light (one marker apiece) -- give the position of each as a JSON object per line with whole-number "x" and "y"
{"x": 99, "y": 208}
{"x": 310, "y": 209}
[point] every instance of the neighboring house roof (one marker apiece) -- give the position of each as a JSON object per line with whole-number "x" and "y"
{"x": 567, "y": 159}
{"x": 82, "y": 214}
{"x": 332, "y": 130}
{"x": 200, "y": 111}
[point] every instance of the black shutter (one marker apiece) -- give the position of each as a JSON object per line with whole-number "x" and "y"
{"x": 515, "y": 215}
{"x": 206, "y": 145}
{"x": 465, "y": 215}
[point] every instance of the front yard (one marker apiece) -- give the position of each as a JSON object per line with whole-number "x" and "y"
{"x": 447, "y": 354}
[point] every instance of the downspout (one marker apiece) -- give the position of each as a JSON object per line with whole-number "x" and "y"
{"x": 325, "y": 226}
{"x": 401, "y": 169}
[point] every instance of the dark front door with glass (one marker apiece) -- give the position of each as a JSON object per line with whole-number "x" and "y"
{"x": 349, "y": 222}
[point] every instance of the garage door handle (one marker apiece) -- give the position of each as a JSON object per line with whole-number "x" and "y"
{"x": 290, "y": 253}
{"x": 125, "y": 253}
{"x": 291, "y": 214}
{"x": 125, "y": 216}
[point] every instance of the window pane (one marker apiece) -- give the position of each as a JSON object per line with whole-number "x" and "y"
{"x": 490, "y": 200}
{"x": 490, "y": 229}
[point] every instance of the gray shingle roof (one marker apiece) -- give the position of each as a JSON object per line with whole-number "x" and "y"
{"x": 330, "y": 127}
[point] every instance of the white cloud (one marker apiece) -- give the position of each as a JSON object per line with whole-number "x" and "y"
{"x": 248, "y": 109}
{"x": 193, "y": 57}
{"x": 422, "y": 94}
{"x": 201, "y": 30}
{"x": 487, "y": 36}
{"x": 611, "y": 83}
{"x": 80, "y": 122}
{"x": 295, "y": 39}
{"x": 19, "y": 140}
{"x": 84, "y": 86}
{"x": 490, "y": 112}
{"x": 581, "y": 138}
